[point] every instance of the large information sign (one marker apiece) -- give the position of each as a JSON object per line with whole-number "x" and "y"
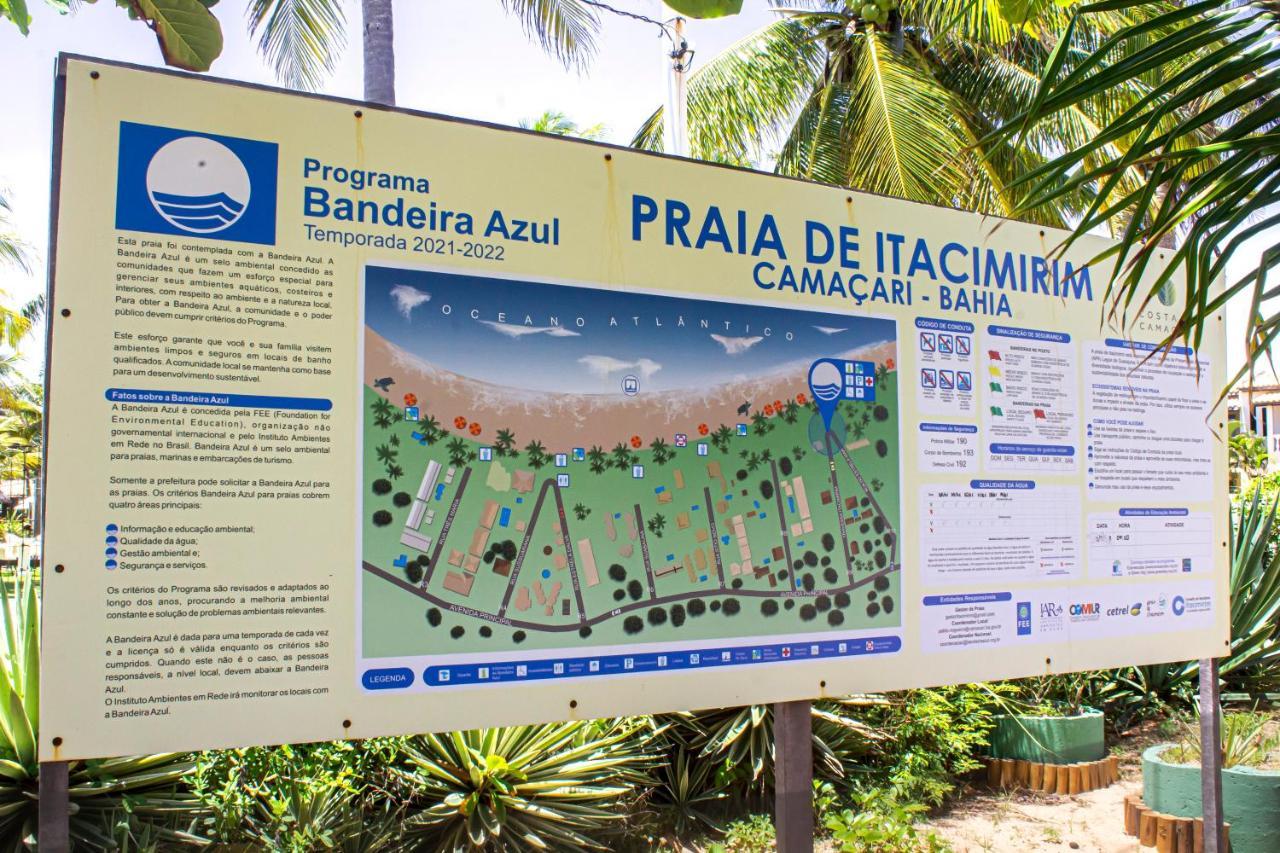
{"x": 367, "y": 422}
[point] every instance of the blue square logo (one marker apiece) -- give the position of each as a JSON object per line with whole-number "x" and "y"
{"x": 1024, "y": 618}
{"x": 194, "y": 184}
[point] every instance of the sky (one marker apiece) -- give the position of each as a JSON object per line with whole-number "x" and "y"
{"x": 465, "y": 59}
{"x": 557, "y": 338}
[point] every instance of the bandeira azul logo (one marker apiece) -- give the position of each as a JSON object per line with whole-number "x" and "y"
{"x": 188, "y": 183}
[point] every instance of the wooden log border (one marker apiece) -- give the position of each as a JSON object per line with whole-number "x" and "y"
{"x": 1166, "y": 833}
{"x": 1079, "y": 778}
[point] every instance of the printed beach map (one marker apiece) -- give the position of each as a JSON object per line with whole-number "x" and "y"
{"x": 554, "y": 468}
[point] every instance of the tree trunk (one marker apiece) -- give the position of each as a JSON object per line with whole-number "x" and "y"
{"x": 379, "y": 52}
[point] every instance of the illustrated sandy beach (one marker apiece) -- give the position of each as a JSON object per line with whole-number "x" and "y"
{"x": 601, "y": 419}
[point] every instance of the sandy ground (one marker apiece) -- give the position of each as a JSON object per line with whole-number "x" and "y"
{"x": 991, "y": 821}
{"x": 999, "y": 822}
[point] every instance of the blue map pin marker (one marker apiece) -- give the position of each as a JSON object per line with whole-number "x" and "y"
{"x": 826, "y": 383}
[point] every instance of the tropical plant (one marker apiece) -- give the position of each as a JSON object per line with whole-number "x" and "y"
{"x": 622, "y": 456}
{"x": 330, "y": 796}
{"x": 597, "y": 459}
{"x": 895, "y": 101}
{"x": 1246, "y": 452}
{"x": 657, "y": 524}
{"x": 1203, "y": 138}
{"x": 562, "y": 785}
{"x": 189, "y": 35}
{"x": 721, "y": 438}
{"x": 429, "y": 428}
{"x": 558, "y": 124}
{"x": 880, "y": 823}
{"x": 111, "y": 799}
{"x": 1247, "y": 741}
{"x": 688, "y": 790}
{"x": 303, "y": 39}
{"x": 13, "y": 250}
{"x": 581, "y": 511}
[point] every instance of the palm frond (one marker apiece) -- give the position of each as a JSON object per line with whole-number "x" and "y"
{"x": 744, "y": 97}
{"x": 566, "y": 29}
{"x": 301, "y": 39}
{"x": 1205, "y": 139}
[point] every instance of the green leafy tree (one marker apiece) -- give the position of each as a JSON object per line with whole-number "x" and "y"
{"x": 303, "y": 39}
{"x": 558, "y": 124}
{"x": 899, "y": 104}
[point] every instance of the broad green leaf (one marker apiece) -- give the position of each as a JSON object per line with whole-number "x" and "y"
{"x": 190, "y": 36}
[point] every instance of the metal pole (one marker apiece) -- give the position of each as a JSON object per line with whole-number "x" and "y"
{"x": 1211, "y": 757}
{"x": 675, "y": 125}
{"x": 54, "y": 826}
{"x": 793, "y": 775}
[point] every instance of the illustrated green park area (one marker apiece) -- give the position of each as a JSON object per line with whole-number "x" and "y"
{"x": 474, "y": 540}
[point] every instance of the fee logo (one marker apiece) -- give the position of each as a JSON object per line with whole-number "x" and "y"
{"x": 187, "y": 183}
{"x": 1024, "y": 618}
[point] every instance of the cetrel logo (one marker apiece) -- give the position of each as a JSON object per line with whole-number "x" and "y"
{"x": 188, "y": 183}
{"x": 1179, "y": 605}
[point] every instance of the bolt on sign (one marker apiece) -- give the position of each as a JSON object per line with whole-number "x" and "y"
{"x": 364, "y": 421}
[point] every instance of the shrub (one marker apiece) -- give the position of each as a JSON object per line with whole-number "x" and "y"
{"x": 413, "y": 572}
{"x": 434, "y": 617}
{"x": 381, "y": 518}
{"x": 381, "y": 487}
{"x": 633, "y": 625}
{"x": 567, "y": 784}
{"x": 402, "y": 499}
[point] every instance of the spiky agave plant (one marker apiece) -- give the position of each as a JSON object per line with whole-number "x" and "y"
{"x": 560, "y": 786}
{"x": 112, "y": 801}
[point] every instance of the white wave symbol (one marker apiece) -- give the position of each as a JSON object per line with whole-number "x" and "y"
{"x": 826, "y": 393}
{"x": 199, "y": 213}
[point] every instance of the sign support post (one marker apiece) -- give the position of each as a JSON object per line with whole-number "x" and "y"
{"x": 53, "y": 827}
{"x": 793, "y": 775}
{"x": 1211, "y": 756}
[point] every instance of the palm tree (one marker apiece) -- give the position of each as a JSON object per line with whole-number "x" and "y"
{"x": 557, "y": 123}
{"x": 657, "y": 524}
{"x": 384, "y": 414}
{"x": 621, "y": 456}
{"x": 720, "y": 438}
{"x": 457, "y": 450}
{"x": 597, "y": 459}
{"x": 1210, "y": 181}
{"x": 661, "y": 452}
{"x": 505, "y": 442}
{"x": 429, "y": 428}
{"x": 902, "y": 108}
{"x": 581, "y": 511}
{"x": 385, "y": 454}
{"x": 302, "y": 39}
{"x": 537, "y": 454}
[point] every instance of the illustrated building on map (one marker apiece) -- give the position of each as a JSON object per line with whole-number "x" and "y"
{"x": 411, "y": 537}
